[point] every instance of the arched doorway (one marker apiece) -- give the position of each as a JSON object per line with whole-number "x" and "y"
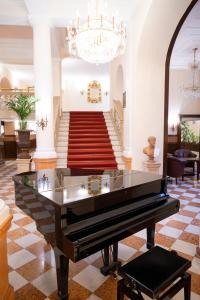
{"x": 167, "y": 72}
{"x": 5, "y": 83}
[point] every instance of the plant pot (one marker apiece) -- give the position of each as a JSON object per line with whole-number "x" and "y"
{"x": 24, "y": 143}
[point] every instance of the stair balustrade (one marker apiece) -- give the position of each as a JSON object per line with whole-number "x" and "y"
{"x": 56, "y": 115}
{"x": 117, "y": 116}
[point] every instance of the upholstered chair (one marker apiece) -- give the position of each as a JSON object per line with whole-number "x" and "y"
{"x": 186, "y": 153}
{"x": 175, "y": 167}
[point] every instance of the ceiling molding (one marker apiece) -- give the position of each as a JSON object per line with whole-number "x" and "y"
{"x": 188, "y": 38}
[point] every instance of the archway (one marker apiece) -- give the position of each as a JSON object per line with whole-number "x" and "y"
{"x": 167, "y": 72}
{"x": 5, "y": 83}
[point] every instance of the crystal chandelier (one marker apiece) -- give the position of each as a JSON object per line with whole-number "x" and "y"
{"x": 194, "y": 89}
{"x": 99, "y": 38}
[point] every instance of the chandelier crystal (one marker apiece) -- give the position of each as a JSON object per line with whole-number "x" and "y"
{"x": 194, "y": 89}
{"x": 99, "y": 38}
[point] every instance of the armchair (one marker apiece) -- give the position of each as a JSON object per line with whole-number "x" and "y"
{"x": 175, "y": 167}
{"x": 186, "y": 153}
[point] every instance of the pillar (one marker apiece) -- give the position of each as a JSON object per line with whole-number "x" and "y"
{"x": 57, "y": 83}
{"x": 127, "y": 153}
{"x": 45, "y": 155}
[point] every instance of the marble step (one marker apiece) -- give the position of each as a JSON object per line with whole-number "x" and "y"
{"x": 116, "y": 143}
{"x": 113, "y": 138}
{"x": 61, "y": 144}
{"x": 61, "y": 138}
{"x": 61, "y": 154}
{"x": 112, "y": 132}
{"x": 118, "y": 153}
{"x": 64, "y": 127}
{"x": 119, "y": 160}
{"x": 62, "y": 161}
{"x": 64, "y": 122}
{"x": 116, "y": 148}
{"x": 62, "y": 149}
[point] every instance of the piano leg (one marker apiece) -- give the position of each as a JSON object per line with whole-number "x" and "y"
{"x": 62, "y": 271}
{"x": 110, "y": 265}
{"x": 151, "y": 236}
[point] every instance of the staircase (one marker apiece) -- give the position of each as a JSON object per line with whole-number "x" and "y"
{"x": 88, "y": 140}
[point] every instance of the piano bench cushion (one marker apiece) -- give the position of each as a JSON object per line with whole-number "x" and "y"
{"x": 154, "y": 271}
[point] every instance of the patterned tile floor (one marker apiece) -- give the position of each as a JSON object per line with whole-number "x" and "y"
{"x": 31, "y": 260}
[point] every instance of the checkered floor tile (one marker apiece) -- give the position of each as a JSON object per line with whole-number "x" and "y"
{"x": 31, "y": 260}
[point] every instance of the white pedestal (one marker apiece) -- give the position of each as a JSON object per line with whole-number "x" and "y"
{"x": 152, "y": 166}
{"x": 23, "y": 165}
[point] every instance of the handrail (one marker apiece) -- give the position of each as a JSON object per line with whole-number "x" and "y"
{"x": 29, "y": 89}
{"x": 7, "y": 94}
{"x": 118, "y": 120}
{"x": 56, "y": 114}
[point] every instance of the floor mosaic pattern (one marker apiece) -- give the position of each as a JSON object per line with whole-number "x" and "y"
{"x": 31, "y": 260}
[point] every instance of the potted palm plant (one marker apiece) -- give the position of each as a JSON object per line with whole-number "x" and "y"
{"x": 23, "y": 105}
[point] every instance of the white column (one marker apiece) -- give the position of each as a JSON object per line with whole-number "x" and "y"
{"x": 56, "y": 76}
{"x": 43, "y": 85}
{"x": 129, "y": 81}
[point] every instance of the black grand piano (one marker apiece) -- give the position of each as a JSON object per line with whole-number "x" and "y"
{"x": 80, "y": 212}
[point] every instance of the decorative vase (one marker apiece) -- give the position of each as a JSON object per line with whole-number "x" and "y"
{"x": 24, "y": 143}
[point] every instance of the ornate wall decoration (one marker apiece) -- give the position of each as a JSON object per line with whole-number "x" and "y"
{"x": 94, "y": 92}
{"x": 94, "y": 185}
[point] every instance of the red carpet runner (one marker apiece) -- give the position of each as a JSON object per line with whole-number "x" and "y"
{"x": 89, "y": 144}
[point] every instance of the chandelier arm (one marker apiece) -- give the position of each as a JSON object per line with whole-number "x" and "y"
{"x": 194, "y": 89}
{"x": 99, "y": 38}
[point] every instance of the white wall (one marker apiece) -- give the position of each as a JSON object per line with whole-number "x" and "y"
{"x": 117, "y": 78}
{"x": 147, "y": 111}
{"x": 76, "y": 75}
{"x": 178, "y": 103}
{"x": 5, "y": 72}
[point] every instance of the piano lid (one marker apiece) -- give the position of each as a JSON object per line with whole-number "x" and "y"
{"x": 65, "y": 186}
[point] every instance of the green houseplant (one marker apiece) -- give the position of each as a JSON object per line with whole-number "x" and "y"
{"x": 187, "y": 135}
{"x": 23, "y": 105}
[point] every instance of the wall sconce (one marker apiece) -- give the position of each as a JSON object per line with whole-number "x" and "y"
{"x": 42, "y": 123}
{"x": 43, "y": 183}
{"x": 82, "y": 92}
{"x": 173, "y": 128}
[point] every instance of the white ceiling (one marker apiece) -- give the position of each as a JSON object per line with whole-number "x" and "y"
{"x": 16, "y": 47}
{"x": 19, "y": 50}
{"x": 188, "y": 38}
{"x": 61, "y": 11}
{"x": 13, "y": 12}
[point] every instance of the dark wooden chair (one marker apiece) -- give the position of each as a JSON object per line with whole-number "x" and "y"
{"x": 182, "y": 153}
{"x": 175, "y": 167}
{"x": 154, "y": 273}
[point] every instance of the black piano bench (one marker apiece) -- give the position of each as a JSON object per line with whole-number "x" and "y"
{"x": 154, "y": 273}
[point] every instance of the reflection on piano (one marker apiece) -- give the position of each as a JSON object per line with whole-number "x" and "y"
{"x": 80, "y": 212}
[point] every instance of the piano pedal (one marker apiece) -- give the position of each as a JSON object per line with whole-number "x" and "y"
{"x": 111, "y": 269}
{"x": 169, "y": 180}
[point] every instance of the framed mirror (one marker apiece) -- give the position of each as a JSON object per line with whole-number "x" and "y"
{"x": 94, "y": 185}
{"x": 94, "y": 92}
